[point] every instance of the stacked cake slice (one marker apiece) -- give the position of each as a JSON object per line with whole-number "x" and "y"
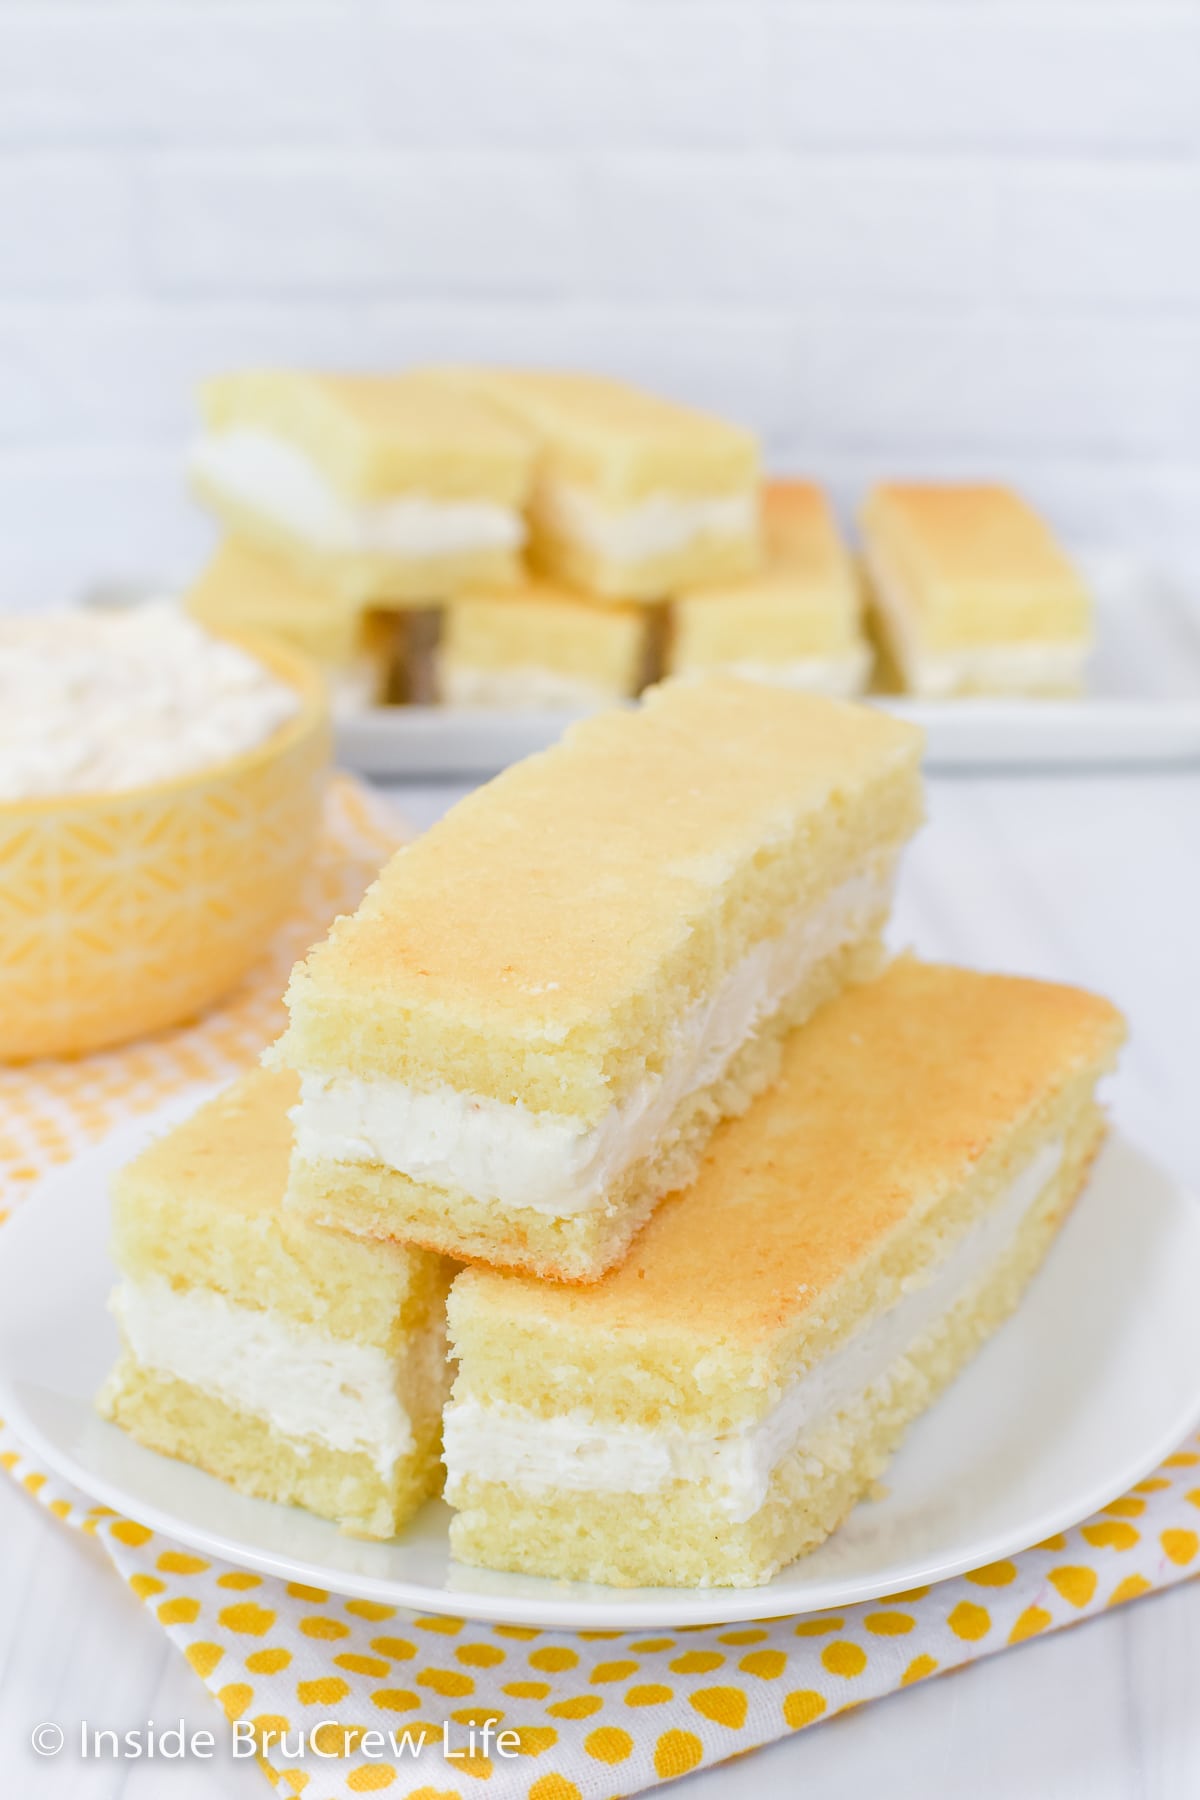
{"x": 635, "y": 497}
{"x": 300, "y": 1365}
{"x": 526, "y": 1034}
{"x": 541, "y": 645}
{"x": 971, "y": 594}
{"x": 618, "y": 1030}
{"x": 797, "y": 621}
{"x": 352, "y": 506}
{"x": 716, "y": 1405}
{"x": 571, "y": 537}
{"x": 385, "y": 488}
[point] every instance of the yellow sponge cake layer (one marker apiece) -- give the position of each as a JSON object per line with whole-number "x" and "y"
{"x": 377, "y": 436}
{"x": 715, "y": 1406}
{"x": 302, "y": 1366}
{"x": 797, "y": 622}
{"x": 542, "y": 1007}
{"x": 635, "y": 497}
{"x": 971, "y": 593}
{"x": 625, "y": 871}
{"x": 383, "y": 487}
{"x": 540, "y": 645}
{"x": 242, "y": 589}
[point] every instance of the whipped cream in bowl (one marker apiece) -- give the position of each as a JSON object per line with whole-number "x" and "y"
{"x": 97, "y": 702}
{"x": 161, "y": 791}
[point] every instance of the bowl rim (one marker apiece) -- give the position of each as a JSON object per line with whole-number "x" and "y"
{"x": 290, "y": 665}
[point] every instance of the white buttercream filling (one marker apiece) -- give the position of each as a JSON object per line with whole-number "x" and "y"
{"x": 307, "y": 1385}
{"x": 258, "y": 470}
{"x": 655, "y": 526}
{"x": 843, "y": 674}
{"x": 501, "y": 1151}
{"x": 523, "y": 685}
{"x": 573, "y": 1453}
{"x": 1023, "y": 666}
{"x": 1028, "y": 668}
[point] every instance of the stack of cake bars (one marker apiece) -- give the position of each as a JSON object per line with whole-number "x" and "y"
{"x": 523, "y": 539}
{"x": 350, "y": 504}
{"x": 739, "y": 1197}
{"x": 513, "y": 539}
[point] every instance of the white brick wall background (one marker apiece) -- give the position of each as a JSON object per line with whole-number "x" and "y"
{"x": 900, "y": 236}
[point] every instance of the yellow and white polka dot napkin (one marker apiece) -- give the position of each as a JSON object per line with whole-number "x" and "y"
{"x": 344, "y": 1697}
{"x": 340, "y": 1697}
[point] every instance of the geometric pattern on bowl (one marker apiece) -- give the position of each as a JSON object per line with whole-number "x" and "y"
{"x": 121, "y": 914}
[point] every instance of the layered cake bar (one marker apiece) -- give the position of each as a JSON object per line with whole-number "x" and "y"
{"x": 970, "y": 593}
{"x": 246, "y": 590}
{"x": 385, "y": 487}
{"x": 541, "y": 645}
{"x": 635, "y": 497}
{"x": 296, "y": 1364}
{"x": 716, "y": 1406}
{"x": 525, "y": 1035}
{"x": 797, "y": 622}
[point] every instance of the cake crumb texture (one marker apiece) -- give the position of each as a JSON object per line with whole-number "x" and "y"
{"x": 198, "y": 1427}
{"x": 680, "y": 1537}
{"x": 972, "y": 564}
{"x": 203, "y": 1207}
{"x": 377, "y": 1202}
{"x": 541, "y": 942}
{"x": 810, "y": 1212}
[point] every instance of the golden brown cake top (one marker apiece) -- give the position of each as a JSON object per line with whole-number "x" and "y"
{"x": 233, "y": 1153}
{"x": 946, "y": 540}
{"x": 380, "y": 435}
{"x": 614, "y": 437}
{"x": 798, "y": 518}
{"x": 550, "y": 896}
{"x": 887, "y": 1100}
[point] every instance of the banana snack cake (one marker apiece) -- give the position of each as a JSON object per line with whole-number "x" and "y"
{"x": 297, "y": 1364}
{"x": 797, "y": 622}
{"x": 388, "y": 488}
{"x": 526, "y": 1034}
{"x": 716, "y": 1406}
{"x": 635, "y": 497}
{"x": 971, "y": 594}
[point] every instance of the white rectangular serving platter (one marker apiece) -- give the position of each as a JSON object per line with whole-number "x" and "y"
{"x": 1142, "y": 704}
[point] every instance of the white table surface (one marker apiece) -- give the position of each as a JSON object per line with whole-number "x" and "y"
{"x": 1092, "y": 878}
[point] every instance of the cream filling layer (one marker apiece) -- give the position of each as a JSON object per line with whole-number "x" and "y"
{"x": 258, "y": 470}
{"x": 1028, "y": 668}
{"x": 842, "y": 674}
{"x": 502, "y": 1152}
{"x": 523, "y": 685}
{"x": 307, "y": 1385}
{"x": 656, "y": 526}
{"x": 1023, "y": 666}
{"x": 574, "y": 1453}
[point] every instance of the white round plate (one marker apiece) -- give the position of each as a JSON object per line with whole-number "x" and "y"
{"x": 1094, "y": 1381}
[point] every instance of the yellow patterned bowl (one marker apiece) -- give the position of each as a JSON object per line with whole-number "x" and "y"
{"x": 124, "y": 913}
